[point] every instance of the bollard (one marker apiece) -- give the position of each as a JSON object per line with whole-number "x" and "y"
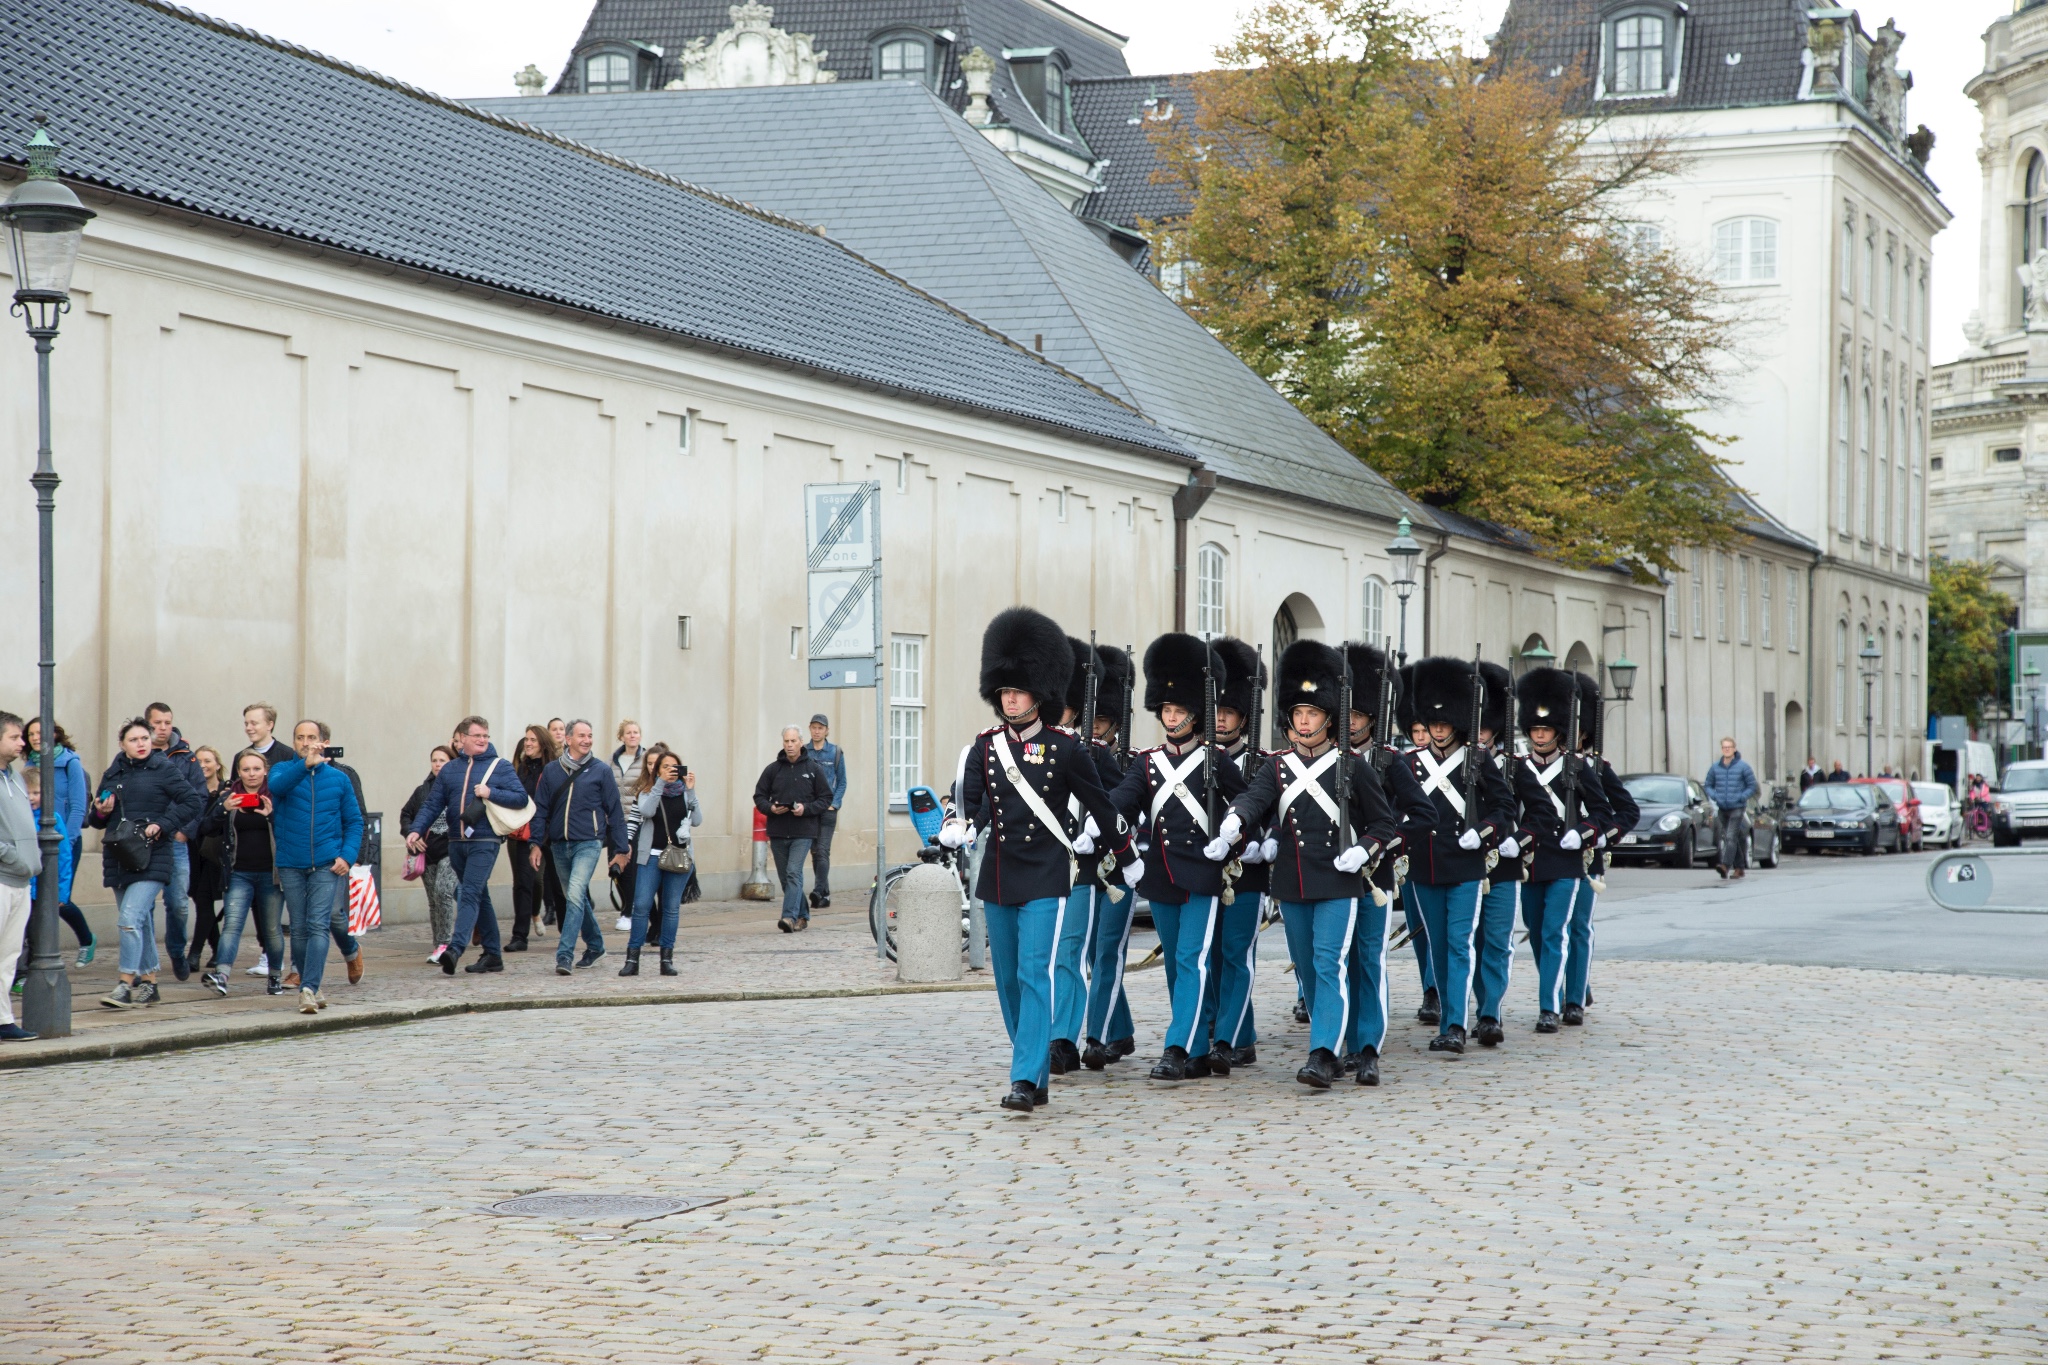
{"x": 927, "y": 902}
{"x": 759, "y": 886}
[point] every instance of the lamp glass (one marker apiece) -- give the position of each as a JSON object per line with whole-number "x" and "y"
{"x": 1537, "y": 655}
{"x": 44, "y": 248}
{"x": 1623, "y": 672}
{"x": 1402, "y": 553}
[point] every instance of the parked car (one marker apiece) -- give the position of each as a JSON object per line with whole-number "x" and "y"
{"x": 1677, "y": 823}
{"x": 1941, "y": 814}
{"x": 1907, "y": 804}
{"x": 1845, "y": 816}
{"x": 2020, "y": 807}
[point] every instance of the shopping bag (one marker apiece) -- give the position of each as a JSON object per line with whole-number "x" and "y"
{"x": 364, "y": 912}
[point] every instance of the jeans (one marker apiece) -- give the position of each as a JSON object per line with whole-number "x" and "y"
{"x": 1320, "y": 935}
{"x": 1731, "y": 833}
{"x": 575, "y": 863}
{"x": 1451, "y": 913}
{"x": 650, "y": 881}
{"x": 473, "y": 860}
{"x": 1108, "y": 1018}
{"x": 177, "y": 903}
{"x": 243, "y": 890}
{"x": 137, "y": 918}
{"x": 312, "y": 893}
{"x": 1020, "y": 948}
{"x": 821, "y": 854}
{"x": 1547, "y": 913}
{"x": 1185, "y": 932}
{"x": 789, "y": 865}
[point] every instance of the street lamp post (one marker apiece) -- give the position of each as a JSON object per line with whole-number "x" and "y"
{"x": 1402, "y": 552}
{"x": 45, "y": 223}
{"x": 1622, "y": 673}
{"x": 1868, "y": 658}
{"x": 2032, "y": 673}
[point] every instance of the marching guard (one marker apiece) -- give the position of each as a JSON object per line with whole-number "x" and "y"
{"x": 1077, "y": 924}
{"x": 1496, "y": 939}
{"x": 1107, "y": 1029}
{"x": 1449, "y": 862}
{"x": 1563, "y": 810}
{"x": 1623, "y": 812}
{"x": 1410, "y": 725}
{"x": 1330, "y": 822}
{"x": 1238, "y": 709}
{"x": 1177, "y": 789}
{"x": 1015, "y": 785}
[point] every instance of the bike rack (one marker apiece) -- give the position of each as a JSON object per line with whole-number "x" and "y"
{"x": 1966, "y": 882}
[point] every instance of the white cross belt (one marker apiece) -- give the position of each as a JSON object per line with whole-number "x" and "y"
{"x": 1308, "y": 782}
{"x": 1174, "y": 782}
{"x": 1437, "y": 778}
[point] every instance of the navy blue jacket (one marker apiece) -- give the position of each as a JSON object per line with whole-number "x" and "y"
{"x": 1021, "y": 860}
{"x": 152, "y": 792}
{"x": 1253, "y": 879}
{"x": 583, "y": 807}
{"x": 1109, "y": 774}
{"x": 1305, "y": 869}
{"x": 1541, "y": 827}
{"x": 1731, "y": 784}
{"x": 1412, "y": 809}
{"x": 1434, "y": 858}
{"x": 454, "y": 791}
{"x": 1175, "y": 868}
{"x": 314, "y": 817}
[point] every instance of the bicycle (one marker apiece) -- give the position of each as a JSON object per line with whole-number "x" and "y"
{"x": 926, "y": 815}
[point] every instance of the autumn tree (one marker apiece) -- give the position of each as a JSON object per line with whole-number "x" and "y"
{"x": 1434, "y": 259}
{"x": 1966, "y": 617}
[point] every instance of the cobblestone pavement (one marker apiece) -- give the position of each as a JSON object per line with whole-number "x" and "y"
{"x": 1729, "y": 1163}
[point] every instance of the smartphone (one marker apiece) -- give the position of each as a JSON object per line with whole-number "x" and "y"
{"x": 334, "y": 751}
{"x": 246, "y": 800}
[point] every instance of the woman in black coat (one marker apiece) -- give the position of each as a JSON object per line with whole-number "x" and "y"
{"x": 145, "y": 797}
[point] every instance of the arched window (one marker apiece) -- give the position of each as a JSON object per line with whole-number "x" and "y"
{"x": 1882, "y": 490}
{"x": 1209, "y": 591}
{"x": 1899, "y": 679}
{"x": 607, "y": 73}
{"x": 1042, "y": 80}
{"x": 1843, "y": 418}
{"x": 1841, "y": 674}
{"x": 1869, "y": 419}
{"x": 1918, "y": 436}
{"x": 1915, "y": 711}
{"x": 1373, "y": 619}
{"x": 2034, "y": 233}
{"x": 1901, "y": 492}
{"x": 904, "y": 57}
{"x": 1746, "y": 251}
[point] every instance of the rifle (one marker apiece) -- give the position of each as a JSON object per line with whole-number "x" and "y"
{"x": 1088, "y": 695}
{"x": 1344, "y": 753}
{"x": 1574, "y": 766}
{"x": 1383, "y": 719}
{"x": 1212, "y": 756}
{"x": 1251, "y": 743}
{"x": 1123, "y": 724}
{"x": 1472, "y": 743}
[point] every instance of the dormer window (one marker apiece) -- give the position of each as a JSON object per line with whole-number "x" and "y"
{"x": 1640, "y": 51}
{"x": 905, "y": 57}
{"x": 608, "y": 73}
{"x": 1041, "y": 77}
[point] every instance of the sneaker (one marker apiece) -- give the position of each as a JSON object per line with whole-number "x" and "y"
{"x": 217, "y": 982}
{"x": 15, "y": 1033}
{"x": 262, "y": 967}
{"x": 85, "y": 953}
{"x": 320, "y": 999}
{"x": 275, "y": 987}
{"x": 146, "y": 993}
{"x": 307, "y": 1004}
{"x": 590, "y": 957}
{"x": 122, "y": 997}
{"x": 625, "y": 924}
{"x": 434, "y": 957}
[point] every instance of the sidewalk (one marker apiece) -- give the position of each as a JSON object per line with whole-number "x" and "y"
{"x": 725, "y": 950}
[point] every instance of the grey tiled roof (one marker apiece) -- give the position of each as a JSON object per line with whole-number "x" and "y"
{"x": 1114, "y": 117}
{"x": 890, "y": 171}
{"x": 1765, "y": 36}
{"x": 166, "y": 106}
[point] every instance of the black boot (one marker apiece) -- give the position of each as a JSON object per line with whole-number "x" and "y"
{"x": 1368, "y": 1067}
{"x": 1301, "y": 1012}
{"x": 1450, "y": 1040}
{"x": 1023, "y": 1097}
{"x": 1347, "y": 1064}
{"x": 1218, "y": 1058}
{"x": 1489, "y": 1033}
{"x": 1244, "y": 1056}
{"x": 517, "y": 945}
{"x": 1064, "y": 1056}
{"x": 1204, "y": 1065}
{"x": 1547, "y": 1022}
{"x": 1122, "y": 1048}
{"x": 1321, "y": 1070}
{"x": 632, "y": 965}
{"x": 489, "y": 962}
{"x": 1432, "y": 1008}
{"x": 668, "y": 962}
{"x": 1173, "y": 1065}
{"x": 1095, "y": 1056}
{"x": 1574, "y": 1013}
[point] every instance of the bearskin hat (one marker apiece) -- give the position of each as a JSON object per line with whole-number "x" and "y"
{"x": 1115, "y": 684}
{"x": 1173, "y": 671}
{"x": 1544, "y": 697}
{"x": 1500, "y": 687}
{"x": 1311, "y": 674}
{"x": 1404, "y": 702}
{"x": 1443, "y": 693}
{"x": 1246, "y": 671}
{"x": 1589, "y": 707}
{"x": 1077, "y": 685}
{"x": 1367, "y": 666}
{"x": 1027, "y": 650}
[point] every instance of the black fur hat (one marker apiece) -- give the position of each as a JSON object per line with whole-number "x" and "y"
{"x": 1404, "y": 702}
{"x": 1245, "y": 669}
{"x": 1367, "y": 666}
{"x": 1027, "y": 650}
{"x": 1443, "y": 693}
{"x": 1115, "y": 684}
{"x": 1077, "y": 686}
{"x": 1544, "y": 697}
{"x": 1310, "y": 675}
{"x": 1500, "y": 687}
{"x": 1589, "y": 707}
{"x": 1173, "y": 672}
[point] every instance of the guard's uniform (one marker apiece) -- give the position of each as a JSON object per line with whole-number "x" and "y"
{"x": 1237, "y": 945}
{"x": 1411, "y": 914}
{"x": 1412, "y": 810}
{"x": 1557, "y": 874}
{"x": 1623, "y": 812}
{"x": 1495, "y": 942}
{"x": 1086, "y": 902}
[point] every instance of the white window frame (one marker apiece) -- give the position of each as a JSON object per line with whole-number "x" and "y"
{"x": 1899, "y": 678}
{"x": 1845, "y": 480}
{"x": 1765, "y": 572}
{"x": 1848, "y": 269}
{"x": 1721, "y": 597}
{"x": 610, "y": 86}
{"x": 1746, "y": 251}
{"x": 925, "y": 74}
{"x": 1699, "y": 596}
{"x": 1742, "y": 598}
{"x": 1211, "y": 567}
{"x": 1372, "y": 620}
{"x": 1792, "y": 610}
{"x": 1841, "y": 674}
{"x": 906, "y": 716}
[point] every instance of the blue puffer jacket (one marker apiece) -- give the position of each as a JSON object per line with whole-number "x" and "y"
{"x": 71, "y": 786}
{"x": 316, "y": 818}
{"x": 1730, "y": 784}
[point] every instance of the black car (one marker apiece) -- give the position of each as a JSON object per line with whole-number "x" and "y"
{"x": 1677, "y": 824}
{"x": 1841, "y": 815}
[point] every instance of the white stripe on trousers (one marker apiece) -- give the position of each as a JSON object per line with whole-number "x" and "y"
{"x": 1344, "y": 972}
{"x": 1251, "y": 971}
{"x": 1386, "y": 933}
{"x": 1507, "y": 977}
{"x": 1052, "y": 972}
{"x": 1202, "y": 977}
{"x": 1564, "y": 951}
{"x": 1471, "y": 954}
{"x": 1116, "y": 981}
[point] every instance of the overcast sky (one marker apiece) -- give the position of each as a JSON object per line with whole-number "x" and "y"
{"x": 472, "y": 47}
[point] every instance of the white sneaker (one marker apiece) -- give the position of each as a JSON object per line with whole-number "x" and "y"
{"x": 320, "y": 999}
{"x": 625, "y": 924}
{"x": 308, "y": 1002}
{"x": 262, "y": 967}
{"x": 435, "y": 956}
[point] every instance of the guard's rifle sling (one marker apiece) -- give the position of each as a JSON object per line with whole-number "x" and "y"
{"x": 1472, "y": 759}
{"x": 1251, "y": 735}
{"x": 1344, "y": 753}
{"x": 1383, "y": 714}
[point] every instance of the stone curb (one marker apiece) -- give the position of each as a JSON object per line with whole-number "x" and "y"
{"x": 184, "y": 1035}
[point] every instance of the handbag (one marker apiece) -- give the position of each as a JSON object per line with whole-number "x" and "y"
{"x": 509, "y": 821}
{"x": 674, "y": 857}
{"x": 130, "y": 845}
{"x": 415, "y": 866}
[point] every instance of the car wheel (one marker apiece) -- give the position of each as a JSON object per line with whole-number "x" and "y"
{"x": 1771, "y": 859}
{"x": 1682, "y": 856}
{"x": 1870, "y": 844}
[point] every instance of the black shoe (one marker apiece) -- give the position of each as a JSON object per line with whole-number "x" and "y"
{"x": 562, "y": 968}
{"x": 822, "y": 903}
{"x": 1574, "y": 1013}
{"x": 15, "y": 1033}
{"x": 1451, "y": 1039}
{"x": 1065, "y": 1056}
{"x": 632, "y": 967}
{"x": 668, "y": 962}
{"x": 1173, "y": 1065}
{"x": 590, "y": 957}
{"x": 786, "y": 925}
{"x": 1589, "y": 996}
{"x": 1023, "y": 1097}
{"x": 1243, "y": 1056}
{"x": 1122, "y": 1048}
{"x": 1432, "y": 1008}
{"x": 1347, "y": 1065}
{"x": 1095, "y": 1056}
{"x": 489, "y": 962}
{"x": 1218, "y": 1059}
{"x": 146, "y": 993}
{"x": 812, "y": 900}
{"x": 276, "y": 986}
{"x": 1489, "y": 1033}
{"x": 191, "y": 964}
{"x": 1546, "y": 1022}
{"x": 1300, "y": 1012}
{"x": 1368, "y": 1068}
{"x": 1040, "y": 1097}
{"x": 448, "y": 958}
{"x": 517, "y": 945}
{"x": 180, "y": 968}
{"x": 1199, "y": 1067}
{"x": 1722, "y": 870}
{"x": 1321, "y": 1070}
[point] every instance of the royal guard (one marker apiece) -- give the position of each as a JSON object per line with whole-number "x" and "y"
{"x": 1622, "y": 814}
{"x": 1179, "y": 789}
{"x": 1448, "y": 863}
{"x": 1495, "y": 943}
{"x": 1106, "y": 1021}
{"x": 1410, "y": 735}
{"x": 1014, "y": 792}
{"x": 1563, "y": 810}
{"x": 1235, "y": 1039}
{"x": 1085, "y": 904}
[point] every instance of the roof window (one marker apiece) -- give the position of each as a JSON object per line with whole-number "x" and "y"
{"x": 1041, "y": 77}
{"x": 1639, "y": 50}
{"x": 905, "y": 57}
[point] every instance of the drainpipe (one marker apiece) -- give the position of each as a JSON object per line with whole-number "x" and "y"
{"x": 1443, "y": 547}
{"x": 1664, "y": 673}
{"x": 1812, "y": 570}
{"x": 1187, "y": 501}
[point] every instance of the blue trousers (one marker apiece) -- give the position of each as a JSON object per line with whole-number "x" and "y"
{"x": 1319, "y": 939}
{"x": 1418, "y": 939}
{"x": 313, "y": 894}
{"x": 1020, "y": 952}
{"x": 1578, "y": 965}
{"x": 649, "y": 882}
{"x": 472, "y": 860}
{"x": 1547, "y": 913}
{"x": 1070, "y": 987}
{"x": 1451, "y": 915}
{"x": 1496, "y": 947}
{"x": 1108, "y": 1018}
{"x": 1185, "y": 932}
{"x": 575, "y": 864}
{"x": 1368, "y": 969}
{"x": 1237, "y": 968}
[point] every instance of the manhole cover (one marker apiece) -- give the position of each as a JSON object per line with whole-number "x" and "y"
{"x": 634, "y": 1208}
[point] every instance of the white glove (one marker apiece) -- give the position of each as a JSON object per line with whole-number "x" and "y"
{"x": 1510, "y": 849}
{"x": 1600, "y": 842}
{"x": 1469, "y": 840}
{"x": 1134, "y": 872}
{"x": 1083, "y": 845}
{"x": 1229, "y": 829}
{"x": 1350, "y": 860}
{"x": 1217, "y": 849}
{"x": 1270, "y": 850}
{"x": 955, "y": 834}
{"x": 1571, "y": 842}
{"x": 1091, "y": 831}
{"x": 1254, "y": 852}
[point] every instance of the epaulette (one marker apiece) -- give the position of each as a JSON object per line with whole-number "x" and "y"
{"x": 986, "y": 733}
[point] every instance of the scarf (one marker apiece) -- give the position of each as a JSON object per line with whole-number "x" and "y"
{"x": 675, "y": 788}
{"x": 573, "y": 766}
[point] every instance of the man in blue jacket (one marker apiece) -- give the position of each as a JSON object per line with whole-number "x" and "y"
{"x": 1730, "y": 783}
{"x": 476, "y": 777}
{"x": 832, "y": 759}
{"x": 576, "y": 813}
{"x": 317, "y": 827}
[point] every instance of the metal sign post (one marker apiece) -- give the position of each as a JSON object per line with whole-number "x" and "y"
{"x": 843, "y": 541}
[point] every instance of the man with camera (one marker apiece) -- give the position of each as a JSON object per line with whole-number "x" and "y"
{"x": 576, "y": 812}
{"x": 317, "y": 825}
{"x": 466, "y": 788}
